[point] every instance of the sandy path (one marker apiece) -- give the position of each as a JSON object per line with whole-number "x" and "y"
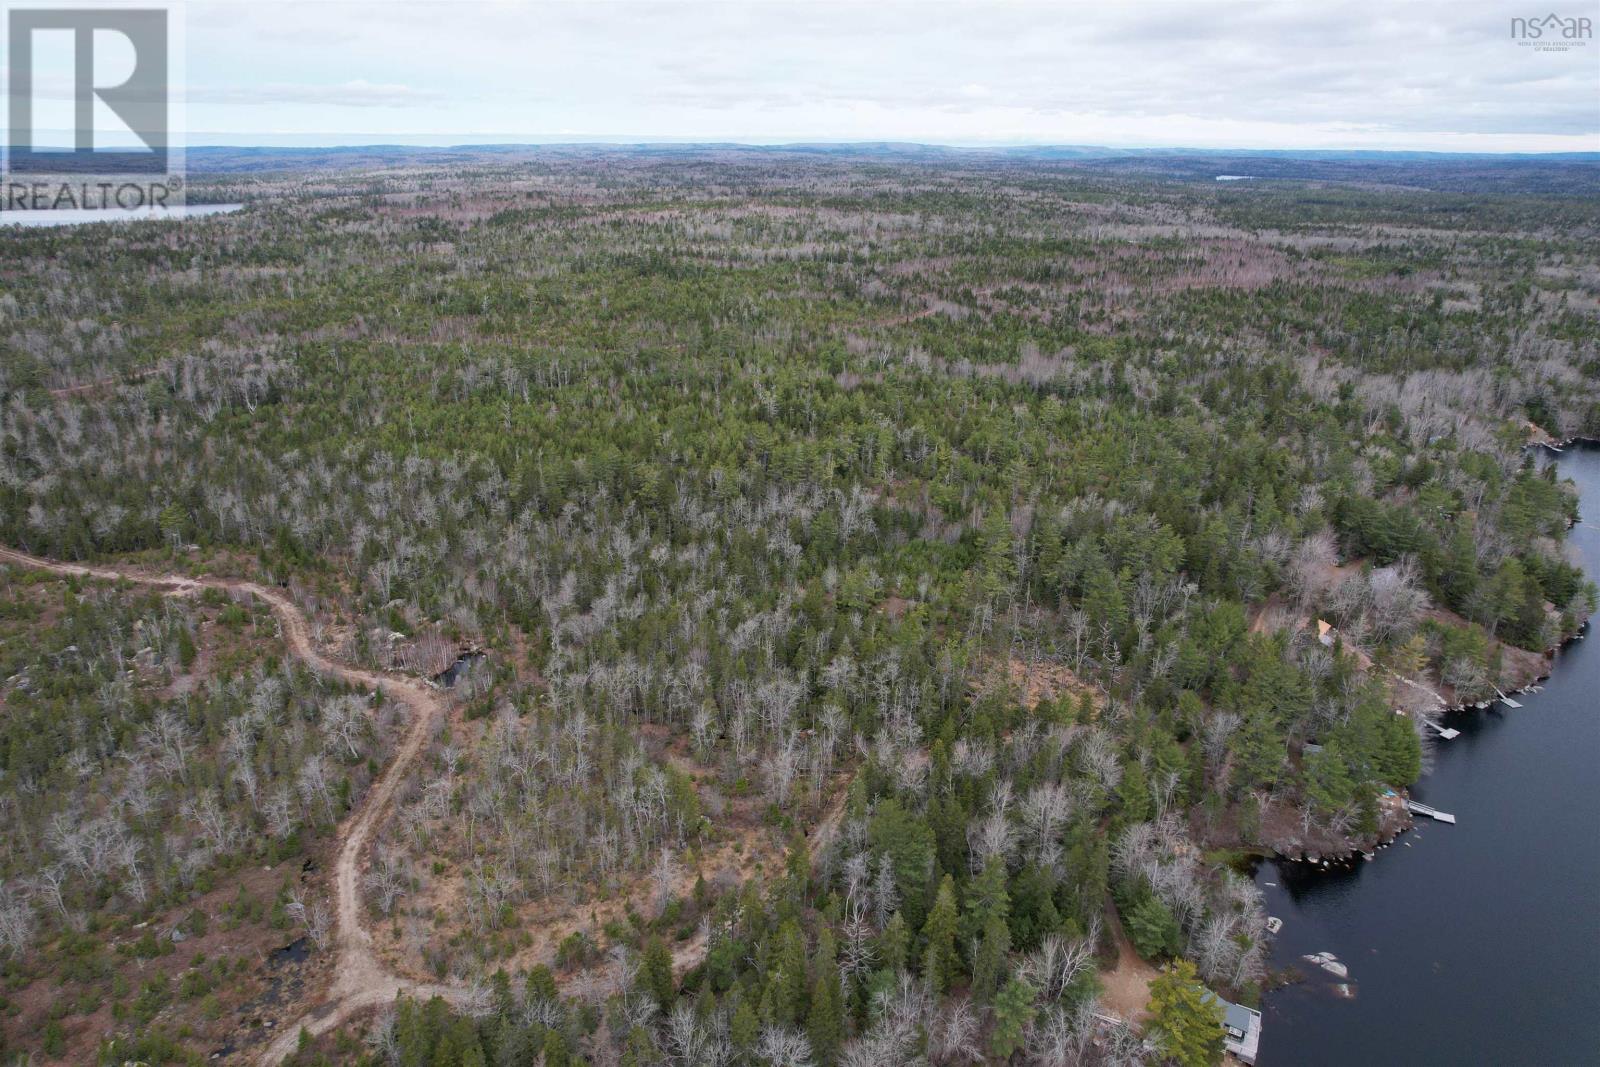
{"x": 1125, "y": 989}
{"x": 360, "y": 979}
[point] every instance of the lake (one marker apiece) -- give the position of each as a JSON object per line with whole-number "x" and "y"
{"x": 1473, "y": 943}
{"x": 79, "y": 216}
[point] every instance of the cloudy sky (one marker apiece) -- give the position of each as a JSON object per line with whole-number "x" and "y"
{"x": 1409, "y": 74}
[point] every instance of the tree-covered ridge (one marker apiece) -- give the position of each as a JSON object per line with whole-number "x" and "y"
{"x": 760, "y": 480}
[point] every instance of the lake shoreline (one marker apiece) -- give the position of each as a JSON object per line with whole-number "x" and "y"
{"x": 1524, "y": 670}
{"x": 1397, "y": 821}
{"x": 67, "y": 217}
{"x": 1415, "y": 993}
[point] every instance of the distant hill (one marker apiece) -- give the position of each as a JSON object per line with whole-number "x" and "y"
{"x": 1556, "y": 173}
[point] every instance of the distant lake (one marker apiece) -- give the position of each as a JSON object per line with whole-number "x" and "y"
{"x": 1236, "y": 177}
{"x": 1473, "y": 943}
{"x": 79, "y": 217}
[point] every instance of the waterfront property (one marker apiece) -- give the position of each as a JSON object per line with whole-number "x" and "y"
{"x": 1241, "y": 1028}
{"x": 1242, "y": 1031}
{"x": 1520, "y": 782}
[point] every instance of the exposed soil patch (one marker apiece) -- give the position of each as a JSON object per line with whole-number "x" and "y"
{"x": 1041, "y": 680}
{"x": 1125, "y": 989}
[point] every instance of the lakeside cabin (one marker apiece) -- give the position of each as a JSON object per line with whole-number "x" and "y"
{"x": 1241, "y": 1028}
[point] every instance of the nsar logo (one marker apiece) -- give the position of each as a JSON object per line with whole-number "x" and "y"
{"x": 1553, "y": 33}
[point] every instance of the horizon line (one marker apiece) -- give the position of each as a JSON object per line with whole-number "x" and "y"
{"x": 324, "y": 141}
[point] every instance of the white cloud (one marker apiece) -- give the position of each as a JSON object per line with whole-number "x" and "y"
{"x": 356, "y": 93}
{"x": 1418, "y": 74}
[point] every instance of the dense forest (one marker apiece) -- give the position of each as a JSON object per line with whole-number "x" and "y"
{"x": 902, "y": 595}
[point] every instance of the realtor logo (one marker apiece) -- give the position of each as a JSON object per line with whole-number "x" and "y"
{"x": 139, "y": 100}
{"x": 92, "y": 120}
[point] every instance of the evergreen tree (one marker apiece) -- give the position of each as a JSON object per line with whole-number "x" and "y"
{"x": 1185, "y": 1019}
{"x": 655, "y": 973}
{"x": 413, "y": 1039}
{"x": 825, "y": 1023}
{"x": 1034, "y": 912}
{"x": 1013, "y": 1011}
{"x": 640, "y": 1049}
{"x": 1459, "y": 577}
{"x": 987, "y": 898}
{"x": 540, "y": 984}
{"x": 989, "y": 960}
{"x": 909, "y": 843}
{"x": 940, "y": 963}
{"x": 556, "y": 1051}
{"x": 500, "y": 991}
{"x": 1153, "y": 929}
{"x": 894, "y": 944}
{"x": 1133, "y": 795}
{"x": 1260, "y": 753}
{"x": 787, "y": 983}
{"x": 744, "y": 1026}
{"x": 1328, "y": 785}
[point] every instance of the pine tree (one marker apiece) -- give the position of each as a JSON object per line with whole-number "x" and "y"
{"x": 1459, "y": 576}
{"x": 825, "y": 1024}
{"x": 989, "y": 960}
{"x": 1034, "y": 914}
{"x": 655, "y": 973}
{"x": 1410, "y": 658}
{"x": 414, "y": 1037}
{"x": 1153, "y": 929}
{"x": 797, "y": 871}
{"x": 1013, "y": 1011}
{"x": 1326, "y": 777}
{"x": 640, "y": 1049}
{"x": 459, "y": 1046}
{"x": 894, "y": 944}
{"x": 744, "y": 1027}
{"x": 788, "y": 979}
{"x": 987, "y": 899}
{"x": 1258, "y": 753}
{"x": 556, "y": 1052}
{"x": 541, "y": 984}
{"x": 940, "y": 963}
{"x": 500, "y": 990}
{"x": 1133, "y": 794}
{"x": 909, "y": 843}
{"x": 1185, "y": 1020}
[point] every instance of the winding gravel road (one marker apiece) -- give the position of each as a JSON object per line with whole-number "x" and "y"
{"x": 360, "y": 978}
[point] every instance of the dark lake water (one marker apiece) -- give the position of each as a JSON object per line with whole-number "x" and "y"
{"x": 1473, "y": 943}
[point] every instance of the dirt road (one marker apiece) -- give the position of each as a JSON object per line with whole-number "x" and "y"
{"x": 1125, "y": 990}
{"x": 361, "y": 980}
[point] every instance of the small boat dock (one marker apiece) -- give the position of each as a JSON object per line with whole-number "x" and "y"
{"x": 1446, "y": 733}
{"x": 1433, "y": 813}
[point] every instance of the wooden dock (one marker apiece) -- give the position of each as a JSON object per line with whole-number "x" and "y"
{"x": 1445, "y": 732}
{"x": 1433, "y": 813}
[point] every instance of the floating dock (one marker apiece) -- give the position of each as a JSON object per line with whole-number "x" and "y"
{"x": 1432, "y": 813}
